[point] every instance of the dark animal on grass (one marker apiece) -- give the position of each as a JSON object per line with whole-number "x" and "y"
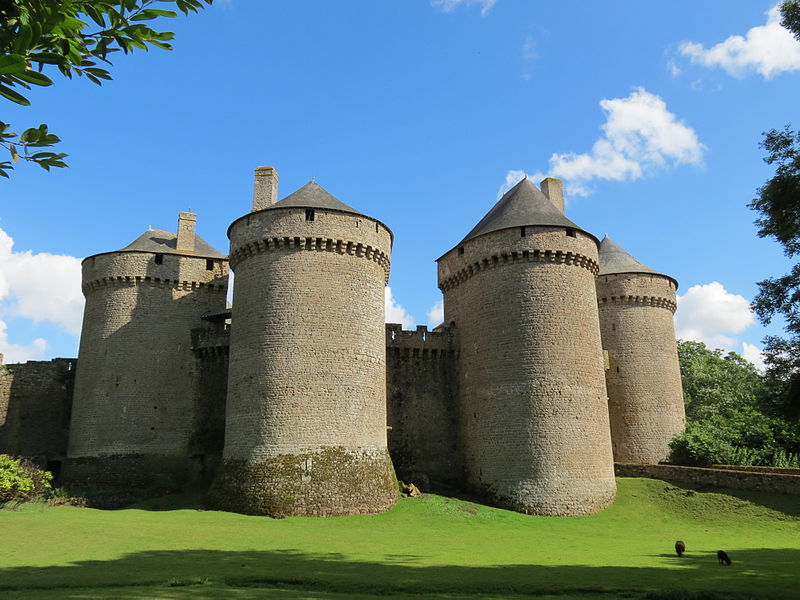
{"x": 680, "y": 548}
{"x": 723, "y": 558}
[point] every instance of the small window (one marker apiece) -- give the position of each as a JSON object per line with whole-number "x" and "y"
{"x": 571, "y": 233}
{"x": 309, "y": 214}
{"x": 461, "y": 250}
{"x": 159, "y": 259}
{"x": 521, "y": 232}
{"x": 209, "y": 264}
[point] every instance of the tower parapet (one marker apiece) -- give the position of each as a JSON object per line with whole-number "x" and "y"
{"x": 306, "y": 412}
{"x": 520, "y": 289}
{"x": 131, "y": 416}
{"x": 645, "y": 397}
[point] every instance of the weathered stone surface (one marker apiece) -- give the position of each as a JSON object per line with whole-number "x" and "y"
{"x": 645, "y": 397}
{"x": 134, "y": 390}
{"x": 422, "y": 405}
{"x": 307, "y": 362}
{"x": 35, "y": 405}
{"x": 325, "y": 482}
{"x": 534, "y": 415}
{"x": 730, "y": 478}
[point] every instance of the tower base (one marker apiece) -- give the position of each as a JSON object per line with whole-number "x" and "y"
{"x": 325, "y": 482}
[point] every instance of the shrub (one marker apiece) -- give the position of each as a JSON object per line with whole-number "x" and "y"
{"x": 21, "y": 480}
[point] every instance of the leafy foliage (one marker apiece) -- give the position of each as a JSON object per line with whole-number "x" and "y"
{"x": 74, "y": 37}
{"x": 729, "y": 413}
{"x": 790, "y": 16}
{"x": 21, "y": 481}
{"x": 779, "y": 207}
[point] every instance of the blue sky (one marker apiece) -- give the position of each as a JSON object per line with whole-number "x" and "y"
{"x": 418, "y": 113}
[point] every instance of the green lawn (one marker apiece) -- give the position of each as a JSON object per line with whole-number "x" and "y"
{"x": 431, "y": 546}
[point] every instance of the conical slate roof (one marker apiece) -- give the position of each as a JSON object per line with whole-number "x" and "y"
{"x": 163, "y": 242}
{"x": 614, "y": 260}
{"x": 523, "y": 205}
{"x": 313, "y": 195}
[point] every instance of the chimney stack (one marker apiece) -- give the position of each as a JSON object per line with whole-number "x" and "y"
{"x": 265, "y": 193}
{"x": 186, "y": 226}
{"x": 553, "y": 189}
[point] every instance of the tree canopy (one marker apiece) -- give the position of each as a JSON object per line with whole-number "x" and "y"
{"x": 72, "y": 37}
{"x": 729, "y": 413}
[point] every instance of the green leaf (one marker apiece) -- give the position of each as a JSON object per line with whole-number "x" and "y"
{"x": 10, "y": 64}
{"x": 151, "y": 13}
{"x": 23, "y": 41}
{"x": 7, "y": 92}
{"x": 35, "y": 78}
{"x": 50, "y": 58}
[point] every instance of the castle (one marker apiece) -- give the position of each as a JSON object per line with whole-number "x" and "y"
{"x": 556, "y": 357}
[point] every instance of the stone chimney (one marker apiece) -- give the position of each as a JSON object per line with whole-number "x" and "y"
{"x": 265, "y": 193}
{"x": 186, "y": 226}
{"x": 553, "y": 189}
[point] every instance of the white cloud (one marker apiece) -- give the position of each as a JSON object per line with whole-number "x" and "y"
{"x": 42, "y": 287}
{"x": 673, "y": 68}
{"x": 395, "y": 313}
{"x": 640, "y": 136}
{"x": 450, "y": 5}
{"x": 754, "y": 355}
{"x": 710, "y": 314}
{"x": 529, "y": 49}
{"x": 436, "y": 314}
{"x": 768, "y": 49}
{"x": 14, "y": 353}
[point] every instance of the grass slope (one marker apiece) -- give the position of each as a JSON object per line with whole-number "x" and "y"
{"x": 433, "y": 546}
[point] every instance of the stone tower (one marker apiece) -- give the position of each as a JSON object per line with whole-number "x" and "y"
{"x": 645, "y": 398}
{"x": 520, "y": 291}
{"x": 132, "y": 414}
{"x": 306, "y": 413}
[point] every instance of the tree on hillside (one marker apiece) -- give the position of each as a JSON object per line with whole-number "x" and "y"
{"x": 727, "y": 416}
{"x": 778, "y": 204}
{"x": 715, "y": 383}
{"x": 73, "y": 37}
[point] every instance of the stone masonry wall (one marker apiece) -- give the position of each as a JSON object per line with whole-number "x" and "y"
{"x": 746, "y": 479}
{"x": 211, "y": 348}
{"x": 645, "y": 398}
{"x": 534, "y": 415}
{"x": 35, "y": 405}
{"x": 306, "y": 411}
{"x": 422, "y": 406}
{"x": 134, "y": 390}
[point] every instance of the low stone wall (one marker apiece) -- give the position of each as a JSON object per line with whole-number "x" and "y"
{"x": 773, "y": 470}
{"x": 780, "y": 483}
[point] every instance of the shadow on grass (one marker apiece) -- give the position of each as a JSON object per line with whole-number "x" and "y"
{"x": 755, "y": 573}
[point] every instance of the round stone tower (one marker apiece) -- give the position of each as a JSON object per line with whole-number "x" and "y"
{"x": 520, "y": 291}
{"x": 306, "y": 413}
{"x": 645, "y": 398}
{"x": 132, "y": 411}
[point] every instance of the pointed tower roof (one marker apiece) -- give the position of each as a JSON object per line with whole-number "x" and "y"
{"x": 614, "y": 260}
{"x": 163, "y": 242}
{"x": 313, "y": 195}
{"x": 522, "y": 206}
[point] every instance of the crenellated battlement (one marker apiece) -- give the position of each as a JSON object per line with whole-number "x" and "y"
{"x": 523, "y": 256}
{"x": 319, "y": 244}
{"x": 421, "y": 342}
{"x": 128, "y": 280}
{"x": 655, "y": 301}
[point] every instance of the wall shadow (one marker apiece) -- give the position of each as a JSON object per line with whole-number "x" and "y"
{"x": 755, "y": 573}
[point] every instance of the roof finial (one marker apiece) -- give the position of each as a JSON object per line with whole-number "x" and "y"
{"x": 312, "y": 179}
